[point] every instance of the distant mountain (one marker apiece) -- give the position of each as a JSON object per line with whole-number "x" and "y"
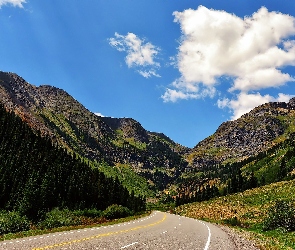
{"x": 58, "y": 116}
{"x": 253, "y": 133}
{"x": 254, "y": 150}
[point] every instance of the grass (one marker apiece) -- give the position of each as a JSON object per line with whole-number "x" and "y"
{"x": 246, "y": 212}
{"x": 127, "y": 176}
{"x": 267, "y": 167}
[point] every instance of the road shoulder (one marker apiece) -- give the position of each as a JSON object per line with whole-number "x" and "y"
{"x": 241, "y": 242}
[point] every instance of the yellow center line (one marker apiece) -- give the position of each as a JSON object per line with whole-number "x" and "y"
{"x": 99, "y": 235}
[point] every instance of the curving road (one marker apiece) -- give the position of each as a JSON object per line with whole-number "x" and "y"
{"x": 157, "y": 231}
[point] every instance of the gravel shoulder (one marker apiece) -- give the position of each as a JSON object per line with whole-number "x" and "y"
{"x": 239, "y": 240}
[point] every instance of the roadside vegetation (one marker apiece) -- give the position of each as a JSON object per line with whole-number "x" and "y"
{"x": 13, "y": 225}
{"x": 255, "y": 195}
{"x": 265, "y": 213}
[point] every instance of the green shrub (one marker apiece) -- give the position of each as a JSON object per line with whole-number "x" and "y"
{"x": 234, "y": 221}
{"x": 280, "y": 215}
{"x": 12, "y": 222}
{"x": 92, "y": 213}
{"x": 59, "y": 218}
{"x": 116, "y": 211}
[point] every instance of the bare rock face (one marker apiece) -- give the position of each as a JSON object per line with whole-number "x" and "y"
{"x": 247, "y": 136}
{"x": 129, "y": 128}
{"x": 42, "y": 107}
{"x": 291, "y": 104}
{"x": 20, "y": 97}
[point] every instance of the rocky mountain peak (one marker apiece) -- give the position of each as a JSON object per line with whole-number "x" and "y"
{"x": 17, "y": 91}
{"x": 252, "y": 133}
{"x": 129, "y": 127}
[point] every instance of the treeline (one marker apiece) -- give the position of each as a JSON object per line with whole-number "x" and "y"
{"x": 228, "y": 178}
{"x": 36, "y": 176}
{"x": 201, "y": 192}
{"x": 281, "y": 156}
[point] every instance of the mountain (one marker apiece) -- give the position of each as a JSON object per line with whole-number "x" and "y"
{"x": 56, "y": 153}
{"x": 37, "y": 176}
{"x": 254, "y": 150}
{"x": 251, "y": 134}
{"x": 57, "y": 115}
{"x": 154, "y": 156}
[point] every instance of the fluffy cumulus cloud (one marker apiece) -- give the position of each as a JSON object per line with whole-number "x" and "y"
{"x": 16, "y": 3}
{"x": 141, "y": 55}
{"x": 246, "y": 102}
{"x": 186, "y": 90}
{"x": 250, "y": 51}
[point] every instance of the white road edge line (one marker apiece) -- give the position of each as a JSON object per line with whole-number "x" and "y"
{"x": 209, "y": 237}
{"x": 129, "y": 245}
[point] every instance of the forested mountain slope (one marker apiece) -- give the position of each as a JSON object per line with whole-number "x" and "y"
{"x": 254, "y": 150}
{"x": 123, "y": 141}
{"x": 113, "y": 141}
{"x": 36, "y": 176}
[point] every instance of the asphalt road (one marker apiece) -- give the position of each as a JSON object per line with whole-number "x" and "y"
{"x": 157, "y": 231}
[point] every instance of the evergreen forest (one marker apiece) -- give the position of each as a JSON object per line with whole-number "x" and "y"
{"x": 37, "y": 176}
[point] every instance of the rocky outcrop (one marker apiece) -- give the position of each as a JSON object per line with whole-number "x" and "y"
{"x": 247, "y": 136}
{"x": 20, "y": 97}
{"x": 129, "y": 128}
{"x": 291, "y": 104}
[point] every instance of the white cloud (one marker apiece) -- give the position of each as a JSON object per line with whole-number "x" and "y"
{"x": 250, "y": 51}
{"x": 16, "y": 3}
{"x": 140, "y": 54}
{"x": 148, "y": 73}
{"x": 246, "y": 102}
{"x": 186, "y": 90}
{"x": 172, "y": 95}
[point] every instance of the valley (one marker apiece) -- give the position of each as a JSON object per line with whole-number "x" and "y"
{"x": 55, "y": 153}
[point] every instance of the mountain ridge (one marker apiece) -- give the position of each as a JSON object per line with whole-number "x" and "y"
{"x": 250, "y": 134}
{"x": 112, "y": 140}
{"x": 57, "y": 115}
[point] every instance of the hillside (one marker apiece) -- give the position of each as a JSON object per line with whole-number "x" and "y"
{"x": 56, "y": 153}
{"x": 153, "y": 156}
{"x": 274, "y": 164}
{"x": 247, "y": 211}
{"x": 69, "y": 124}
{"x": 253, "y": 133}
{"x": 37, "y": 176}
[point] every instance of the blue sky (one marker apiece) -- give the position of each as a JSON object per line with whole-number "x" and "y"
{"x": 178, "y": 67}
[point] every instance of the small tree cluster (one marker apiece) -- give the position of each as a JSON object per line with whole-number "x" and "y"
{"x": 202, "y": 193}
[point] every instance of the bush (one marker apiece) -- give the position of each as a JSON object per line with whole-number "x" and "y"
{"x": 12, "y": 222}
{"x": 234, "y": 221}
{"x": 280, "y": 215}
{"x": 59, "y": 218}
{"x": 92, "y": 213}
{"x": 116, "y": 211}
